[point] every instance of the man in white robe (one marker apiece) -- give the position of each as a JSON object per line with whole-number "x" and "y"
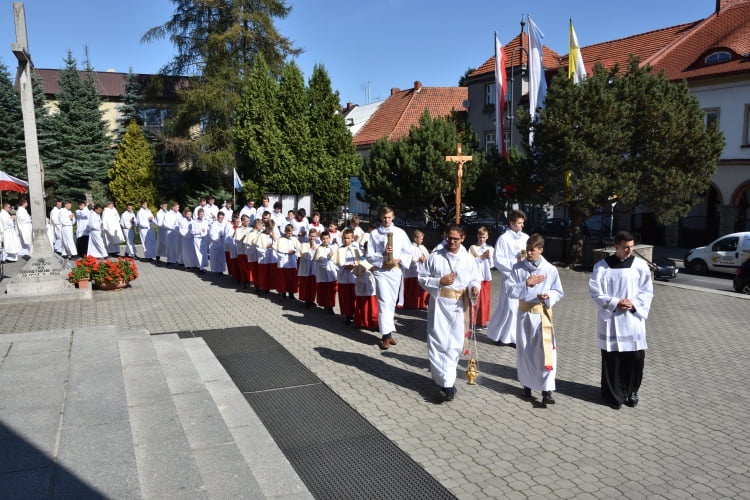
{"x": 509, "y": 250}
{"x": 216, "y": 236}
{"x": 249, "y": 210}
{"x": 388, "y": 276}
{"x": 112, "y": 232}
{"x": 127, "y": 222}
{"x": 66, "y": 231}
{"x": 54, "y": 219}
{"x": 535, "y": 283}
{"x": 8, "y": 235}
{"x": 174, "y": 239}
{"x": 451, "y": 278}
{"x": 96, "y": 247}
{"x": 145, "y": 221}
{"x": 162, "y": 232}
{"x": 622, "y": 289}
{"x": 82, "y": 228}
{"x": 25, "y": 232}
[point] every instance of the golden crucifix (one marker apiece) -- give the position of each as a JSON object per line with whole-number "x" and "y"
{"x": 459, "y": 161}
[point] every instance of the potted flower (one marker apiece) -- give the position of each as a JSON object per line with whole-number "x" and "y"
{"x": 81, "y": 273}
{"x": 112, "y": 274}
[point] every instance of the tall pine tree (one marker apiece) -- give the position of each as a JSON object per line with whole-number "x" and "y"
{"x": 82, "y": 151}
{"x": 333, "y": 156}
{"x": 12, "y": 147}
{"x": 217, "y": 43}
{"x": 133, "y": 174}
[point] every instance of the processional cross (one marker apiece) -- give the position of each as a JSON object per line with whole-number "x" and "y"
{"x": 459, "y": 160}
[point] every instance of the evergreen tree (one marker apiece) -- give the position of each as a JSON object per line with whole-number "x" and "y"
{"x": 82, "y": 151}
{"x": 291, "y": 120}
{"x": 333, "y": 156}
{"x": 632, "y": 134}
{"x": 256, "y": 134}
{"x": 217, "y": 43}
{"x": 130, "y": 109}
{"x": 412, "y": 174}
{"x": 132, "y": 177}
{"x": 12, "y": 146}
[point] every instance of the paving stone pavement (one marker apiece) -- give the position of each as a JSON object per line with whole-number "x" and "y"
{"x": 688, "y": 436}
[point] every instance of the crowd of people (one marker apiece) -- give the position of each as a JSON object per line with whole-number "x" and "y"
{"x": 370, "y": 273}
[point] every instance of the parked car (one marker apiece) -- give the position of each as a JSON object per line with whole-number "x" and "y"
{"x": 556, "y": 226}
{"x": 723, "y": 255}
{"x": 742, "y": 278}
{"x": 664, "y": 269}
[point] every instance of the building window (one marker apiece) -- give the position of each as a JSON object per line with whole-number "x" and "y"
{"x": 154, "y": 119}
{"x": 717, "y": 57}
{"x": 746, "y": 127}
{"x": 489, "y": 142}
{"x": 489, "y": 97}
{"x": 712, "y": 116}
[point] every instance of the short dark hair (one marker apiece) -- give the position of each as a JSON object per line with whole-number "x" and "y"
{"x": 622, "y": 236}
{"x": 516, "y": 214}
{"x": 455, "y": 227}
{"x": 277, "y": 205}
{"x": 535, "y": 241}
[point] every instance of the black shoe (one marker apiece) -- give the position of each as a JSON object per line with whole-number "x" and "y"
{"x": 526, "y": 392}
{"x": 447, "y": 393}
{"x": 547, "y": 398}
{"x": 349, "y": 320}
{"x": 632, "y": 400}
{"x": 329, "y": 310}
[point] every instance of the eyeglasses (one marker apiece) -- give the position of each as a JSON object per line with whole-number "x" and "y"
{"x": 453, "y": 239}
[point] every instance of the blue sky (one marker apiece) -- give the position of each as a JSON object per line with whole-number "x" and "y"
{"x": 388, "y": 43}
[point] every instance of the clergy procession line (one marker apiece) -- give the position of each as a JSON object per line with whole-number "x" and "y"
{"x": 375, "y": 272}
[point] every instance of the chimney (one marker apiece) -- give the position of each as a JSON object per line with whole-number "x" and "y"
{"x": 417, "y": 85}
{"x": 349, "y": 107}
{"x": 395, "y": 90}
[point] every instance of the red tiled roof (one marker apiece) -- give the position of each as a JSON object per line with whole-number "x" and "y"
{"x": 643, "y": 46}
{"x": 402, "y": 109}
{"x": 111, "y": 85}
{"x": 550, "y": 58}
{"x": 729, "y": 29}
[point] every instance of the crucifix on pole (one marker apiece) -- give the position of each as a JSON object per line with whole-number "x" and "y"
{"x": 459, "y": 160}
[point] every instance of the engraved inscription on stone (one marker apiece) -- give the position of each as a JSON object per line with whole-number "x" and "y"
{"x": 39, "y": 267}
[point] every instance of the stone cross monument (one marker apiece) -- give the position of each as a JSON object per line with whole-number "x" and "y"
{"x": 45, "y": 273}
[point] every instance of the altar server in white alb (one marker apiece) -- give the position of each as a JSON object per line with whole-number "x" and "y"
{"x": 25, "y": 232}
{"x": 388, "y": 274}
{"x": 451, "y": 278}
{"x": 112, "y": 232}
{"x": 96, "y": 247}
{"x": 162, "y": 231}
{"x": 535, "y": 283}
{"x": 622, "y": 290}
{"x": 8, "y": 235}
{"x": 66, "y": 230}
{"x": 127, "y": 222}
{"x": 509, "y": 250}
{"x": 145, "y": 221}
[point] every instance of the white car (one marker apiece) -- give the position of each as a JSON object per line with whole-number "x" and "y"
{"x": 723, "y": 255}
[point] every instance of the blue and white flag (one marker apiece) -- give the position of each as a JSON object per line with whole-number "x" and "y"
{"x": 237, "y": 181}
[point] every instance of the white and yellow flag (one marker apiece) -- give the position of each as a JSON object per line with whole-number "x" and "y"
{"x": 576, "y": 69}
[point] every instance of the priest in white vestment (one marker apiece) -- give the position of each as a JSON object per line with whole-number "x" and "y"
{"x": 96, "y": 246}
{"x": 451, "y": 278}
{"x": 145, "y": 222}
{"x": 8, "y": 235}
{"x": 25, "y": 231}
{"x": 112, "y": 232}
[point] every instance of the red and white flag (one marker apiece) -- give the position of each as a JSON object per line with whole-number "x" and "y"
{"x": 501, "y": 86}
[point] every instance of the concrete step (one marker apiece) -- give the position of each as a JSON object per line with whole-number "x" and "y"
{"x": 222, "y": 469}
{"x": 275, "y": 475}
{"x": 95, "y": 433}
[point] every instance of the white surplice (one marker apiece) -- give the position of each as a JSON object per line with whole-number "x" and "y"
{"x": 445, "y": 317}
{"x": 529, "y": 342}
{"x": 502, "y": 325}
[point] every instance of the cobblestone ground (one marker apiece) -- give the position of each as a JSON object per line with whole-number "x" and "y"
{"x": 688, "y": 436}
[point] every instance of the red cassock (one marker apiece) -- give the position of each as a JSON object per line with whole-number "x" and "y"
{"x": 326, "y": 291}
{"x": 415, "y": 297}
{"x": 366, "y": 312}
{"x": 287, "y": 282}
{"x": 307, "y": 289}
{"x": 483, "y": 304}
{"x": 346, "y": 299}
